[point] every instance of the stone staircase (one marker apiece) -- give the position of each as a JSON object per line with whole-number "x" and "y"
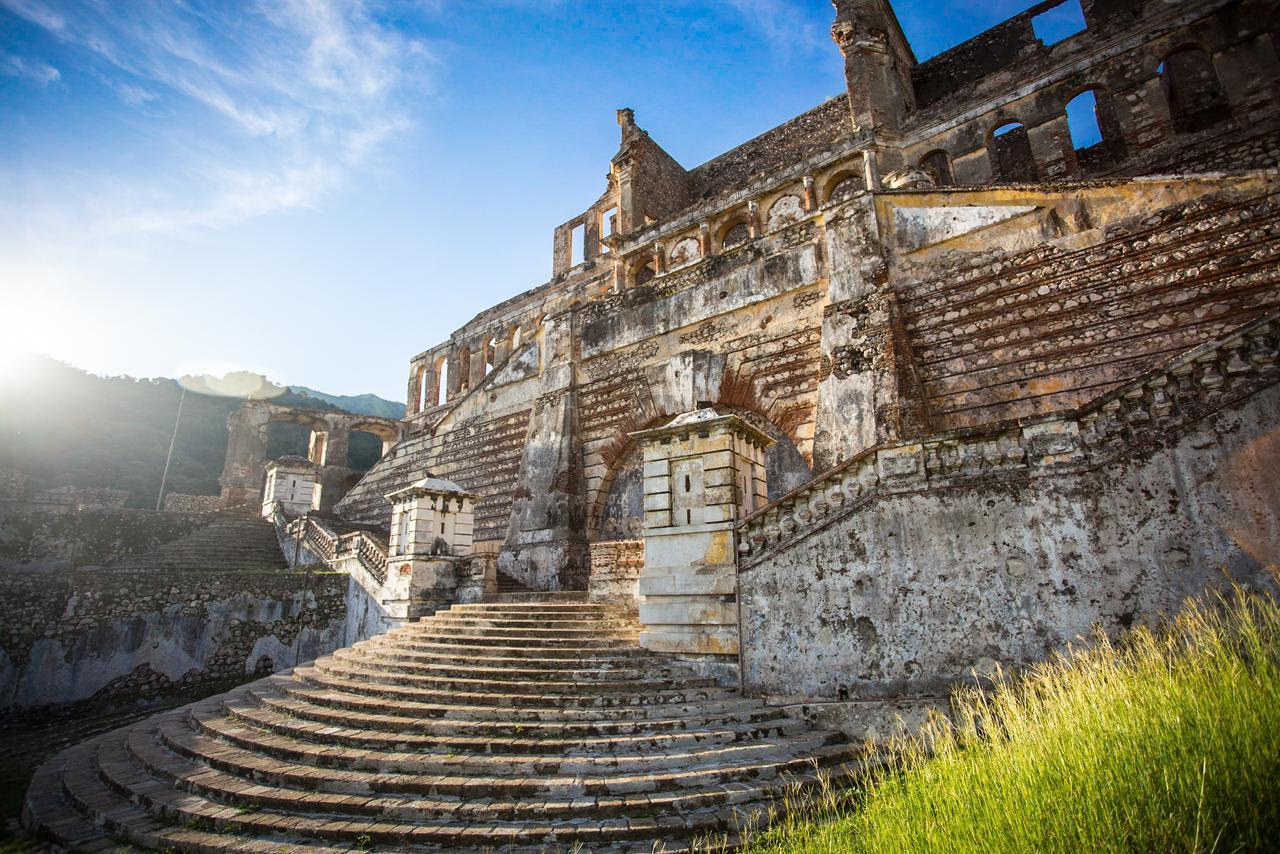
{"x": 535, "y": 725}
{"x": 509, "y": 585}
{"x": 237, "y": 539}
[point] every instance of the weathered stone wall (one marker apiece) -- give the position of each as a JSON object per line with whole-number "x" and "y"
{"x": 777, "y": 149}
{"x": 178, "y": 502}
{"x": 615, "y": 572}
{"x": 58, "y": 536}
{"x": 72, "y": 637}
{"x": 910, "y": 593}
{"x": 1007, "y": 74}
{"x": 1093, "y": 291}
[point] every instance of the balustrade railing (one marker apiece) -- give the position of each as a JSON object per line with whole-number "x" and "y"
{"x": 1140, "y": 412}
{"x": 330, "y": 546}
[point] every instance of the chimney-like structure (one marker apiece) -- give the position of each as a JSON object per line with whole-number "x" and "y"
{"x": 877, "y": 65}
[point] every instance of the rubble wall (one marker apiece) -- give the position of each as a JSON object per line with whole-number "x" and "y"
{"x": 917, "y": 590}
{"x": 119, "y": 637}
{"x": 43, "y": 536}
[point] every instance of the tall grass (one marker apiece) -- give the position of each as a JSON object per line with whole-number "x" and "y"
{"x": 1165, "y": 741}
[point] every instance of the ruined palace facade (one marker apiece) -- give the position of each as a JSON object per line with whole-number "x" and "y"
{"x": 926, "y": 256}
{"x": 918, "y": 387}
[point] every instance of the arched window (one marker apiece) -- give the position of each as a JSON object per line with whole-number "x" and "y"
{"x": 490, "y": 354}
{"x": 842, "y": 185}
{"x": 515, "y": 338}
{"x": 938, "y": 164}
{"x": 442, "y": 381}
{"x": 1094, "y": 130}
{"x": 735, "y": 234}
{"x": 643, "y": 273}
{"x": 422, "y": 389}
{"x": 1009, "y": 150}
{"x": 1193, "y": 90}
{"x": 1082, "y": 120}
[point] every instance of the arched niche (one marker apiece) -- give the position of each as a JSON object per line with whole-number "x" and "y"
{"x": 784, "y": 211}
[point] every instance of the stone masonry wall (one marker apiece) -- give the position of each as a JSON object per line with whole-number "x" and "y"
{"x": 93, "y": 637}
{"x": 482, "y": 456}
{"x": 57, "y": 536}
{"x": 615, "y": 572}
{"x": 914, "y": 591}
{"x": 1005, "y": 334}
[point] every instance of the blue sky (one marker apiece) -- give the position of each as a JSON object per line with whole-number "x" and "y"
{"x": 318, "y": 190}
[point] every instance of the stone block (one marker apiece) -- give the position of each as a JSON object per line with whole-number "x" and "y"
{"x": 720, "y": 641}
{"x": 688, "y": 611}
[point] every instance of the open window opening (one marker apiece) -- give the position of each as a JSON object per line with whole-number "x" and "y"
{"x": 606, "y": 227}
{"x": 1095, "y": 130}
{"x": 577, "y": 243}
{"x": 490, "y": 354}
{"x": 363, "y": 450}
{"x": 1196, "y": 98}
{"x": 442, "y": 381}
{"x": 1059, "y": 23}
{"x": 1009, "y": 149}
{"x": 1082, "y": 120}
{"x": 938, "y": 164}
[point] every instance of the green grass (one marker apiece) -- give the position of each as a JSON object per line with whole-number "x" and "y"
{"x": 1164, "y": 741}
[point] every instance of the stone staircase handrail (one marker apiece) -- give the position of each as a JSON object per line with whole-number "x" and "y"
{"x": 1181, "y": 391}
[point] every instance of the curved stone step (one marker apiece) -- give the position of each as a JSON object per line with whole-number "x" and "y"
{"x": 612, "y": 657}
{"x": 126, "y": 811}
{"x": 231, "y": 788}
{"x": 428, "y": 760}
{"x": 585, "y": 644}
{"x": 587, "y": 681}
{"x": 568, "y": 669}
{"x": 509, "y": 648}
{"x": 341, "y": 709}
{"x": 177, "y": 737}
{"x": 329, "y": 674}
{"x": 432, "y": 819}
{"x": 266, "y": 717}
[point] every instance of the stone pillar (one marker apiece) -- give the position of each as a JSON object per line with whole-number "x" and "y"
{"x": 869, "y": 393}
{"x": 332, "y": 451}
{"x": 293, "y": 482}
{"x": 702, "y": 473}
{"x": 546, "y": 542}
{"x": 241, "y": 477}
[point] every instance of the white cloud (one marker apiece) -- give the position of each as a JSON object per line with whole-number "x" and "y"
{"x": 786, "y": 25}
{"x": 16, "y": 66}
{"x": 296, "y": 95}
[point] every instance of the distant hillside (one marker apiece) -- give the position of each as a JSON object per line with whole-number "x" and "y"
{"x": 362, "y": 404}
{"x": 62, "y": 426}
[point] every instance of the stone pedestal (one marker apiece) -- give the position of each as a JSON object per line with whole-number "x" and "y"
{"x": 292, "y": 482}
{"x": 702, "y": 473}
{"x": 430, "y": 518}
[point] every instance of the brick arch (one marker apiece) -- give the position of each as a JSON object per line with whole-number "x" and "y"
{"x": 737, "y": 394}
